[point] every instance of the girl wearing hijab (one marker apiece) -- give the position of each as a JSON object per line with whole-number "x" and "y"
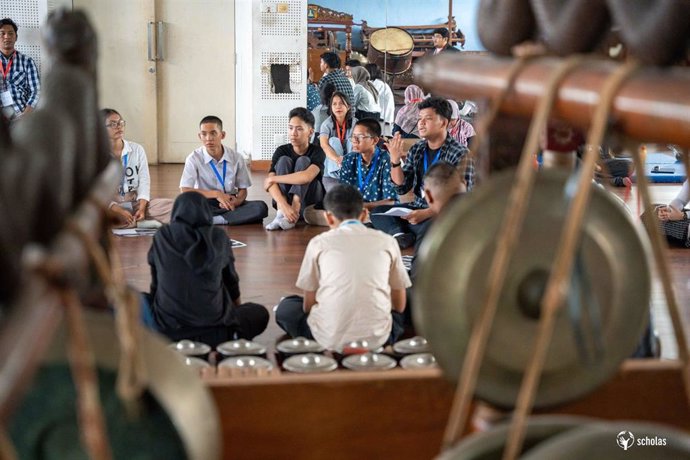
{"x": 195, "y": 291}
{"x": 366, "y": 101}
{"x": 406, "y": 119}
{"x": 459, "y": 129}
{"x": 386, "y": 100}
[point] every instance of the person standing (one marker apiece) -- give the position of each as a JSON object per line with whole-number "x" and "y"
{"x": 20, "y": 84}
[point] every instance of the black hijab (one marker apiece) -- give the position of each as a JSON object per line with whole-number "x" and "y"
{"x": 191, "y": 235}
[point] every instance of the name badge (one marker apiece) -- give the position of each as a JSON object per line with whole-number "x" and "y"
{"x": 6, "y": 98}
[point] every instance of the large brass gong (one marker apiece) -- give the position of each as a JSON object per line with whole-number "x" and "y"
{"x": 613, "y": 281}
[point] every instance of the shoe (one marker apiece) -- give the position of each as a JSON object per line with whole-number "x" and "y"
{"x": 275, "y": 223}
{"x": 405, "y": 240}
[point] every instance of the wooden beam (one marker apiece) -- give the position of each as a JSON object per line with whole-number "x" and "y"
{"x": 652, "y": 106}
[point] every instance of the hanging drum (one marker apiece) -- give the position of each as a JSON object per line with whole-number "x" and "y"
{"x": 605, "y": 311}
{"x": 391, "y": 49}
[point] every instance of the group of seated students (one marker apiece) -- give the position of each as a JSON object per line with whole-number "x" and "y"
{"x": 194, "y": 286}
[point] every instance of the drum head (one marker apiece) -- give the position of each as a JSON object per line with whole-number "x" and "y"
{"x": 453, "y": 270}
{"x": 392, "y": 40}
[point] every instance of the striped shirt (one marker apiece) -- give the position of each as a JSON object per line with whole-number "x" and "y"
{"x": 413, "y": 169}
{"x": 22, "y": 79}
{"x": 341, "y": 83}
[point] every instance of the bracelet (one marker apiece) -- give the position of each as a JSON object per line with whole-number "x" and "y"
{"x": 396, "y": 165}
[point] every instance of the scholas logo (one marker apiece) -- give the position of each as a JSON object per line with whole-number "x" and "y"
{"x": 625, "y": 440}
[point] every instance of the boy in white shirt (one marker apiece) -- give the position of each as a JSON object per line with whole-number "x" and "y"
{"x": 353, "y": 279}
{"x": 220, "y": 174}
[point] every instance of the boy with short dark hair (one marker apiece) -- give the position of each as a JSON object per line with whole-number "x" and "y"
{"x": 294, "y": 180}
{"x": 436, "y": 146}
{"x": 367, "y": 167}
{"x": 353, "y": 279}
{"x": 220, "y": 174}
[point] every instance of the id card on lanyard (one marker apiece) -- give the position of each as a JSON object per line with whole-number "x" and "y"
{"x": 364, "y": 182}
{"x": 218, "y": 176}
{"x": 5, "y": 94}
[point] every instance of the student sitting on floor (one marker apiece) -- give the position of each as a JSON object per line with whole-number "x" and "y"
{"x": 675, "y": 220}
{"x": 334, "y": 135}
{"x": 367, "y": 167}
{"x": 220, "y": 174}
{"x": 133, "y": 201}
{"x": 294, "y": 180}
{"x": 437, "y": 145}
{"x": 442, "y": 186}
{"x": 195, "y": 292}
{"x": 353, "y": 279}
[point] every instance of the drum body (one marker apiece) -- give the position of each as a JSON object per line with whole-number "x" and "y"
{"x": 391, "y": 49}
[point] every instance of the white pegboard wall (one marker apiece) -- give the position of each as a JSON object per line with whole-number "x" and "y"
{"x": 273, "y": 134}
{"x": 24, "y": 12}
{"x": 282, "y": 18}
{"x": 34, "y": 52}
{"x": 278, "y": 31}
{"x": 30, "y": 15}
{"x": 297, "y": 85}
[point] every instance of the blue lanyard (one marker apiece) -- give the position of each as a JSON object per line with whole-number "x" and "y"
{"x": 426, "y": 158}
{"x": 350, "y": 222}
{"x": 372, "y": 166}
{"x": 125, "y": 159}
{"x": 215, "y": 171}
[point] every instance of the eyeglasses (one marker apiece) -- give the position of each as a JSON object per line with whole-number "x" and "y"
{"x": 116, "y": 124}
{"x": 359, "y": 137}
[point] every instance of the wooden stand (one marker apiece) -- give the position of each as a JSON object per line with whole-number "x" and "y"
{"x": 401, "y": 414}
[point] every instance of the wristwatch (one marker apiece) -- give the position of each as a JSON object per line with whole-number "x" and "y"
{"x": 396, "y": 165}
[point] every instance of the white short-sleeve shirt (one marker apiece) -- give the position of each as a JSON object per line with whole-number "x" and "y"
{"x": 352, "y": 269}
{"x": 198, "y": 172}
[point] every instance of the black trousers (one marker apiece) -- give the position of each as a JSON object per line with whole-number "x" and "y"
{"x": 308, "y": 194}
{"x": 251, "y": 320}
{"x": 291, "y": 318}
{"x": 249, "y": 212}
{"x": 394, "y": 225}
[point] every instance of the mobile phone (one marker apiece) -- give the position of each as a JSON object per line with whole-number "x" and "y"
{"x": 664, "y": 170}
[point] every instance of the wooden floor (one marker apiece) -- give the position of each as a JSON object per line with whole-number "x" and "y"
{"x": 268, "y": 266}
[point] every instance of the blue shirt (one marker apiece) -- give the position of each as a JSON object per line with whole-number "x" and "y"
{"x": 313, "y": 98}
{"x": 379, "y": 187}
{"x": 22, "y": 80}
